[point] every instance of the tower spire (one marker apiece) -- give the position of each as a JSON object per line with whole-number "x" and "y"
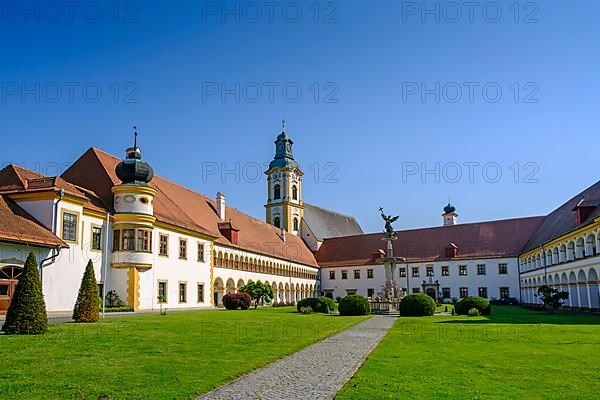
{"x": 135, "y": 135}
{"x": 283, "y": 125}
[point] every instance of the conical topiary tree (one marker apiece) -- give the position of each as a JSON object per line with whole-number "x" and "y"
{"x": 86, "y": 307}
{"x": 26, "y": 314}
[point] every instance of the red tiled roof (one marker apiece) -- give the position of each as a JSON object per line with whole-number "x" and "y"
{"x": 16, "y": 225}
{"x": 504, "y": 238}
{"x": 177, "y": 205}
{"x": 15, "y": 179}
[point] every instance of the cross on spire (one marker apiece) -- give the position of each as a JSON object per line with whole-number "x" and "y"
{"x": 283, "y": 125}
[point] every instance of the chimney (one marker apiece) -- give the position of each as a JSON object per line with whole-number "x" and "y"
{"x": 221, "y": 205}
{"x": 283, "y": 233}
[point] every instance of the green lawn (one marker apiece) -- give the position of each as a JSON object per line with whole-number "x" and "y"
{"x": 177, "y": 356}
{"x": 512, "y": 354}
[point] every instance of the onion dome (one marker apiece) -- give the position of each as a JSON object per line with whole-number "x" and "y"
{"x": 284, "y": 157}
{"x": 449, "y": 209}
{"x": 133, "y": 170}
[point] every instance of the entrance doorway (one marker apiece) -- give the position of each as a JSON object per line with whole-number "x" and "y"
{"x": 9, "y": 277}
{"x": 431, "y": 293}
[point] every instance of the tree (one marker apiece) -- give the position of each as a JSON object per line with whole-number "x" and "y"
{"x": 26, "y": 314}
{"x": 551, "y": 297}
{"x": 86, "y": 307}
{"x": 258, "y": 291}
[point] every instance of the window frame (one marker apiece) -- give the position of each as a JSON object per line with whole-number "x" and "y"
{"x": 199, "y": 299}
{"x": 402, "y": 272}
{"x": 179, "y": 292}
{"x": 483, "y": 289}
{"x": 183, "y": 241}
{"x": 356, "y": 274}
{"x": 481, "y": 269}
{"x": 460, "y": 292}
{"x": 415, "y": 272}
{"x": 160, "y": 243}
{"x": 462, "y": 268}
{"x": 502, "y": 268}
{"x": 429, "y": 271}
{"x": 77, "y": 216}
{"x": 166, "y": 294}
{"x": 277, "y": 191}
{"x": 201, "y": 253}
{"x": 344, "y": 274}
{"x": 332, "y": 275}
{"x": 507, "y": 292}
{"x": 92, "y": 229}
{"x": 370, "y": 273}
{"x": 445, "y": 270}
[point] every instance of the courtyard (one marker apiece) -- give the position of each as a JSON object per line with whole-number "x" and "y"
{"x": 513, "y": 353}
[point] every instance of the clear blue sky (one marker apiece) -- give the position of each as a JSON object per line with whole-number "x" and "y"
{"x": 167, "y": 57}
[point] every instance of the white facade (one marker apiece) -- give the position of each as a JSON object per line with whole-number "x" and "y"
{"x": 480, "y": 273}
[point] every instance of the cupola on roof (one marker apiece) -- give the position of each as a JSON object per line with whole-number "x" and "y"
{"x": 284, "y": 157}
{"x": 133, "y": 170}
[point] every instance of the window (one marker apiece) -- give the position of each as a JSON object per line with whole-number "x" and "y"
{"x": 369, "y": 274}
{"x": 69, "y": 227}
{"x": 481, "y": 270}
{"x": 182, "y": 292}
{"x": 415, "y": 272}
{"x": 502, "y": 269}
{"x": 4, "y": 288}
{"x": 100, "y": 291}
{"x": 357, "y": 274}
{"x": 128, "y": 236}
{"x": 162, "y": 291}
{"x": 416, "y": 290}
{"x": 446, "y": 293}
{"x": 462, "y": 270}
{"x": 183, "y": 249}
{"x": 344, "y": 274}
{"x": 296, "y": 227}
{"x": 96, "y": 238}
{"x": 277, "y": 192}
{"x": 402, "y": 272}
{"x": 144, "y": 240}
{"x": 200, "y": 252}
{"x": 163, "y": 249}
{"x": 445, "y": 270}
{"x": 483, "y": 292}
{"x": 331, "y": 275}
{"x": 504, "y": 292}
{"x": 294, "y": 192}
{"x": 350, "y": 292}
{"x": 277, "y": 222}
{"x": 200, "y": 293}
{"x": 464, "y": 292}
{"x": 370, "y": 292}
{"x": 116, "y": 240}
{"x": 430, "y": 270}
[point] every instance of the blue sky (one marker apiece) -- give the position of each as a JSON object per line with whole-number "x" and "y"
{"x": 385, "y": 95}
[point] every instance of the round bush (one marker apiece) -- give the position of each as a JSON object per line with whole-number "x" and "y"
{"x": 237, "y": 300}
{"x": 355, "y": 304}
{"x": 318, "y": 304}
{"x": 417, "y": 305}
{"x": 481, "y": 304}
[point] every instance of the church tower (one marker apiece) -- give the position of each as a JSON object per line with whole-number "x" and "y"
{"x": 284, "y": 186}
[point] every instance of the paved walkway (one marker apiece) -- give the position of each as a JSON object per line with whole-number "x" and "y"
{"x": 316, "y": 372}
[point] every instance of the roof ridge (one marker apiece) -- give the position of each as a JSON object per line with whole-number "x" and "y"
{"x": 441, "y": 227}
{"x": 329, "y": 210}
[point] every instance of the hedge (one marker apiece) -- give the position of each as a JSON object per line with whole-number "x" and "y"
{"x": 318, "y": 304}
{"x": 417, "y": 305}
{"x": 465, "y": 304}
{"x": 235, "y": 301}
{"x": 355, "y": 304}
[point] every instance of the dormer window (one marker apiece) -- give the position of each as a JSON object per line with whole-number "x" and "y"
{"x": 276, "y": 192}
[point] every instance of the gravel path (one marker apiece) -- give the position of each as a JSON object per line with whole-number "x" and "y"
{"x": 316, "y": 372}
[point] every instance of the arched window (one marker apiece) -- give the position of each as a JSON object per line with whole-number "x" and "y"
{"x": 277, "y": 222}
{"x": 294, "y": 192}
{"x": 296, "y": 224}
{"x": 277, "y": 192}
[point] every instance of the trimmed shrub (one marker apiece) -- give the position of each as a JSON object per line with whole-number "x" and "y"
{"x": 417, "y": 305}
{"x": 306, "y": 310}
{"x": 355, "y": 304}
{"x": 236, "y": 301}
{"x": 481, "y": 304}
{"x": 318, "y": 304}
{"x": 26, "y": 314}
{"x": 86, "y": 307}
{"x": 473, "y": 312}
{"x": 338, "y": 299}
